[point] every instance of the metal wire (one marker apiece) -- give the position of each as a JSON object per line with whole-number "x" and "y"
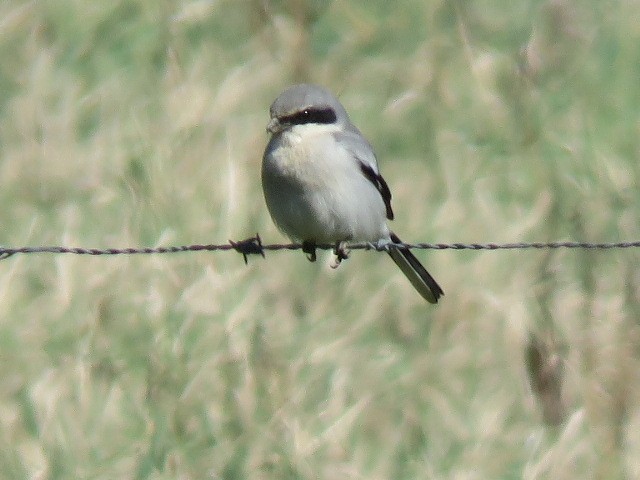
{"x": 254, "y": 246}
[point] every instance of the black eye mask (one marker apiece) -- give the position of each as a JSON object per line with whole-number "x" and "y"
{"x": 311, "y": 115}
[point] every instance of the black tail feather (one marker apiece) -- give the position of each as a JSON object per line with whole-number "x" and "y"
{"x": 422, "y": 280}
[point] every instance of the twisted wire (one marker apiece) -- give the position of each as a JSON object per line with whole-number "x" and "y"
{"x": 254, "y": 245}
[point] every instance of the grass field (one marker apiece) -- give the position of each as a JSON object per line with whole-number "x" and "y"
{"x": 141, "y": 123}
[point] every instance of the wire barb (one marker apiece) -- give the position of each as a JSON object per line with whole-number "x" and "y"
{"x": 249, "y": 246}
{"x": 254, "y": 246}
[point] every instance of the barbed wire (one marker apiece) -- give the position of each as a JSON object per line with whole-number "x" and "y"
{"x": 254, "y": 246}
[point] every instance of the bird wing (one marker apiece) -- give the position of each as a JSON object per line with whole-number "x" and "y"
{"x": 362, "y": 152}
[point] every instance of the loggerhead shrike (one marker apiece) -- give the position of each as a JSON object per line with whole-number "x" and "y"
{"x": 322, "y": 185}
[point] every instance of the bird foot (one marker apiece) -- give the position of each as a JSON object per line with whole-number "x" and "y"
{"x": 309, "y": 248}
{"x": 341, "y": 252}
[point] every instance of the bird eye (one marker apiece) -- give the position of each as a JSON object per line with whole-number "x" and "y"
{"x": 312, "y": 115}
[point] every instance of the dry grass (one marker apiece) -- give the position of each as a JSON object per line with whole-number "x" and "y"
{"x": 142, "y": 123}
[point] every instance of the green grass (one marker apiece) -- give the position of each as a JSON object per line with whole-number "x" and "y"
{"x": 141, "y": 123}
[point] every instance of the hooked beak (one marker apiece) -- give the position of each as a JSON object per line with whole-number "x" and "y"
{"x": 273, "y": 126}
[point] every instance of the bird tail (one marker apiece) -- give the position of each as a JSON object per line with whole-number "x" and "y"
{"x": 422, "y": 281}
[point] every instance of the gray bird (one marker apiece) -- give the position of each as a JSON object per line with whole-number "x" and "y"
{"x": 322, "y": 185}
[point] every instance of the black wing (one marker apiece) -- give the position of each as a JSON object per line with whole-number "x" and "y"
{"x": 378, "y": 182}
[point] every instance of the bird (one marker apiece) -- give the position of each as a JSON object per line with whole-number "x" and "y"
{"x": 321, "y": 182}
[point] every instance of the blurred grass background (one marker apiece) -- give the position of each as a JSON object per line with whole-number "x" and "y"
{"x": 141, "y": 123}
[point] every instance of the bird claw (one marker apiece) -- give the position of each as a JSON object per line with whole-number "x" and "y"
{"x": 341, "y": 252}
{"x": 309, "y": 248}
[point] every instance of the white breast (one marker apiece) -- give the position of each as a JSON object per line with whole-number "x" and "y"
{"x": 315, "y": 190}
